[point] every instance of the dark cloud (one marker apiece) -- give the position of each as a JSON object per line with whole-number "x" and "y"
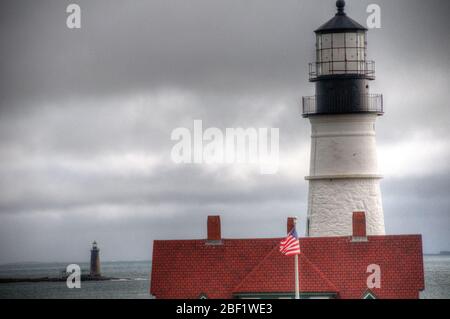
{"x": 86, "y": 118}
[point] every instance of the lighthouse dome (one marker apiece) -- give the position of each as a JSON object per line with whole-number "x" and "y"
{"x": 340, "y": 22}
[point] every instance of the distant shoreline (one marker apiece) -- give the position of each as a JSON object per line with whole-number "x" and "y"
{"x": 54, "y": 279}
{"x": 69, "y": 262}
{"x": 442, "y": 253}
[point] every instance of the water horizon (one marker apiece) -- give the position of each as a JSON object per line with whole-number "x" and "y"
{"x": 132, "y": 280}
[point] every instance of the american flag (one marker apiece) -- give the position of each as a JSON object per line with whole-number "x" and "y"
{"x": 290, "y": 246}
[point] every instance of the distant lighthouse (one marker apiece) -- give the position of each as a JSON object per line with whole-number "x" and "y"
{"x": 95, "y": 260}
{"x": 344, "y": 175}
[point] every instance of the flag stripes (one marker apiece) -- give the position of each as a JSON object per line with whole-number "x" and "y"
{"x": 290, "y": 246}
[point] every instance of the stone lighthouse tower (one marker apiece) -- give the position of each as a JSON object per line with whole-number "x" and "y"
{"x": 95, "y": 260}
{"x": 344, "y": 176}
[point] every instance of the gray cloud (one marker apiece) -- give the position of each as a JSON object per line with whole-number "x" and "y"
{"x": 86, "y": 117}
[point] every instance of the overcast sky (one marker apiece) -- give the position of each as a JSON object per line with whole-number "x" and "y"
{"x": 86, "y": 117}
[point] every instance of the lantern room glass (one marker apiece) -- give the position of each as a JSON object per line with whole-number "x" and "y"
{"x": 341, "y": 53}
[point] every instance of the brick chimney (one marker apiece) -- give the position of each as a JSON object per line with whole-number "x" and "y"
{"x": 214, "y": 235}
{"x": 359, "y": 226}
{"x": 290, "y": 224}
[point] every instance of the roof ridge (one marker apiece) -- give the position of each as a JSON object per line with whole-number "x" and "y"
{"x": 302, "y": 256}
{"x": 223, "y": 239}
{"x": 254, "y": 268}
{"x": 322, "y": 275}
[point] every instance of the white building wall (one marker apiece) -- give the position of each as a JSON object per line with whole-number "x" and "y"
{"x": 332, "y": 203}
{"x": 344, "y": 175}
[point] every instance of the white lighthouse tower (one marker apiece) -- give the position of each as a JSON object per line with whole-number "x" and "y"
{"x": 344, "y": 175}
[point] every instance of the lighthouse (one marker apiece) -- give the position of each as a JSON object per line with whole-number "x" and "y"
{"x": 343, "y": 176}
{"x": 347, "y": 255}
{"x": 95, "y": 260}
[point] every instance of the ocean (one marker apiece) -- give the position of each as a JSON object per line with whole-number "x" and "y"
{"x": 133, "y": 280}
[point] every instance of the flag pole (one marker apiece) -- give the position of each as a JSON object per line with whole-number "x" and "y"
{"x": 297, "y": 284}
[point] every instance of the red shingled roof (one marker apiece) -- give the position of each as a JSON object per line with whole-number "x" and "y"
{"x": 276, "y": 265}
{"x": 189, "y": 268}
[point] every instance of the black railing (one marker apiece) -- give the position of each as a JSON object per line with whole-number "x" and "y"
{"x": 360, "y": 103}
{"x": 360, "y": 68}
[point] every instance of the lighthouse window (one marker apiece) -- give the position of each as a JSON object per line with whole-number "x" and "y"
{"x": 361, "y": 40}
{"x": 353, "y": 66}
{"x": 339, "y": 68}
{"x": 325, "y": 68}
{"x": 326, "y": 55}
{"x": 339, "y": 40}
{"x": 351, "y": 40}
{"x": 361, "y": 54}
{"x": 339, "y": 54}
{"x": 352, "y": 54}
{"x": 326, "y": 41}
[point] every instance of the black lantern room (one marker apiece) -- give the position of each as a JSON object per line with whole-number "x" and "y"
{"x": 341, "y": 71}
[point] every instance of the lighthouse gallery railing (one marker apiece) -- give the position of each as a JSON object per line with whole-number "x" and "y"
{"x": 367, "y": 103}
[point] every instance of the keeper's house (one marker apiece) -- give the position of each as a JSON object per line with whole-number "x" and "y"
{"x": 348, "y": 267}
